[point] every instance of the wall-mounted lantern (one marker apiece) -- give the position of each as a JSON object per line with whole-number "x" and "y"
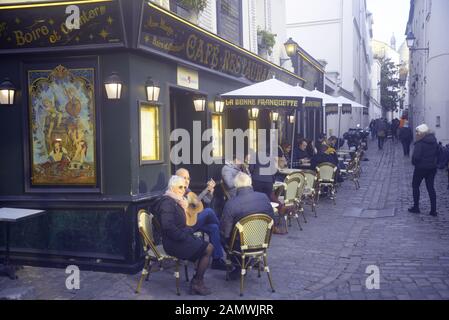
{"x": 113, "y": 86}
{"x": 199, "y": 103}
{"x": 152, "y": 90}
{"x": 7, "y": 91}
{"x": 219, "y": 104}
{"x": 253, "y": 113}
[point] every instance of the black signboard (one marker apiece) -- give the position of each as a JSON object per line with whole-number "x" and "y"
{"x": 346, "y": 108}
{"x": 230, "y": 20}
{"x": 44, "y": 26}
{"x": 331, "y": 109}
{"x": 164, "y": 33}
{"x": 313, "y": 103}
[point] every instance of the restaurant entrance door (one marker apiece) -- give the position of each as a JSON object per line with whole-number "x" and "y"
{"x": 183, "y": 116}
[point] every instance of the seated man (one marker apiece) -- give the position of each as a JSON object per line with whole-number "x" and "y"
{"x": 300, "y": 155}
{"x": 322, "y": 156}
{"x": 246, "y": 202}
{"x": 207, "y": 222}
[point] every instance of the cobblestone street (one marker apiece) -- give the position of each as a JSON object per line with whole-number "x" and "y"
{"x": 327, "y": 260}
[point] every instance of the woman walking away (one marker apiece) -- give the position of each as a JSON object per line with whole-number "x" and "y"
{"x": 424, "y": 159}
{"x": 406, "y": 138}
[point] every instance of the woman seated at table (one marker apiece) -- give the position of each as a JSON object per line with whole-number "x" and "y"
{"x": 178, "y": 240}
{"x": 322, "y": 156}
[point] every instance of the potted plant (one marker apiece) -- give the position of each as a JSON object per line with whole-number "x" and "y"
{"x": 266, "y": 41}
{"x": 194, "y": 7}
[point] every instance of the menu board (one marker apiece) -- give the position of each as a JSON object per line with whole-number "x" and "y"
{"x": 229, "y": 20}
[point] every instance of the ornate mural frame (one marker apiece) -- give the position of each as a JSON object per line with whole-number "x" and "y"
{"x": 73, "y": 168}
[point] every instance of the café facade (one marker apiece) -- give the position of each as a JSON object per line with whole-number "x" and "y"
{"x": 85, "y": 134}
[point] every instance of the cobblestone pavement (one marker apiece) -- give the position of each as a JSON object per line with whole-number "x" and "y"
{"x": 328, "y": 260}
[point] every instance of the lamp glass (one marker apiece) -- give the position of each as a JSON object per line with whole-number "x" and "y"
{"x": 410, "y": 40}
{"x": 199, "y": 104}
{"x": 253, "y": 113}
{"x": 219, "y": 106}
{"x": 153, "y": 93}
{"x": 113, "y": 90}
{"x": 291, "y": 47}
{"x": 291, "y": 119}
{"x": 274, "y": 116}
{"x": 7, "y": 96}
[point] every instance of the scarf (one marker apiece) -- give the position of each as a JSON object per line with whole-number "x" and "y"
{"x": 178, "y": 199}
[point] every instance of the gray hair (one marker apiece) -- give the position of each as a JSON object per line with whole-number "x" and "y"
{"x": 175, "y": 181}
{"x": 242, "y": 180}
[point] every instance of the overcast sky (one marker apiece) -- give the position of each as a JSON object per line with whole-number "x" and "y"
{"x": 389, "y": 16}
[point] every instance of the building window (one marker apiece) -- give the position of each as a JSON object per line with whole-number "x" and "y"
{"x": 149, "y": 133}
{"x": 252, "y": 137}
{"x": 438, "y": 122}
{"x": 229, "y": 20}
{"x": 217, "y": 136}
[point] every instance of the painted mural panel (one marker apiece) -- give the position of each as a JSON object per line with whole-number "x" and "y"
{"x": 62, "y": 126}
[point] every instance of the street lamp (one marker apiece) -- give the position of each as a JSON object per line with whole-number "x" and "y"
{"x": 291, "y": 47}
{"x": 411, "y": 42}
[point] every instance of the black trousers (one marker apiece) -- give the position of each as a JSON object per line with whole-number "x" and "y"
{"x": 380, "y": 142}
{"x": 429, "y": 175}
{"x": 406, "y": 147}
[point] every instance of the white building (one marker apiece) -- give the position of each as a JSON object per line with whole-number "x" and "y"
{"x": 337, "y": 31}
{"x": 429, "y": 68}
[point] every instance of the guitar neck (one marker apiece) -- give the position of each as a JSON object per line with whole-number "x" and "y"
{"x": 202, "y": 194}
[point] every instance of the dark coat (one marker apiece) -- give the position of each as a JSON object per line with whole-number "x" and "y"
{"x": 299, "y": 154}
{"x": 246, "y": 202}
{"x": 405, "y": 135}
{"x": 256, "y": 173}
{"x": 323, "y": 157}
{"x": 178, "y": 239}
{"x": 425, "y": 153}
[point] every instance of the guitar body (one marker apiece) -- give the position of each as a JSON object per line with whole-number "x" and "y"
{"x": 195, "y": 207}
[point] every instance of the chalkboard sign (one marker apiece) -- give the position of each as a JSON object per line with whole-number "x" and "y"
{"x": 230, "y": 20}
{"x": 32, "y": 26}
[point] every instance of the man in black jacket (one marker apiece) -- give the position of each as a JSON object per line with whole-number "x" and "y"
{"x": 246, "y": 202}
{"x": 425, "y": 155}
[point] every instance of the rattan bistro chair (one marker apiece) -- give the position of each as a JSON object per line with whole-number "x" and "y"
{"x": 352, "y": 172}
{"x": 248, "y": 246}
{"x": 310, "y": 192}
{"x": 294, "y": 189}
{"x": 153, "y": 252}
{"x": 326, "y": 179}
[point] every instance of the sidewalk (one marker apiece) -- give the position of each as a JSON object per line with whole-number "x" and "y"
{"x": 327, "y": 260}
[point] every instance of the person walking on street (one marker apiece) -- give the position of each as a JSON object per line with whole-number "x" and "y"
{"x": 381, "y": 129}
{"x": 406, "y": 138}
{"x": 424, "y": 158}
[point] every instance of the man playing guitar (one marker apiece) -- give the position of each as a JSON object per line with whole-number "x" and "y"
{"x": 206, "y": 220}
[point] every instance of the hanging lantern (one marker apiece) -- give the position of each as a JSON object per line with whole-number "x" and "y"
{"x": 152, "y": 90}
{"x": 113, "y": 86}
{"x": 199, "y": 103}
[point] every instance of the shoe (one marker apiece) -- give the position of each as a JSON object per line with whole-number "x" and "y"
{"x": 434, "y": 213}
{"x": 235, "y": 274}
{"x": 218, "y": 264}
{"x": 414, "y": 210}
{"x": 197, "y": 287}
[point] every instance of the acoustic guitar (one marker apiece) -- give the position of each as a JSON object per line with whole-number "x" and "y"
{"x": 195, "y": 204}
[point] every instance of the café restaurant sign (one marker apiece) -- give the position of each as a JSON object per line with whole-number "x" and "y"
{"x": 262, "y": 102}
{"x": 163, "y": 32}
{"x": 34, "y": 26}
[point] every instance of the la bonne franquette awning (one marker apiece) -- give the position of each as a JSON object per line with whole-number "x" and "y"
{"x": 267, "y": 94}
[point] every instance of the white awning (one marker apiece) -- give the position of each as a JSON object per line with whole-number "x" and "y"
{"x": 268, "y": 88}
